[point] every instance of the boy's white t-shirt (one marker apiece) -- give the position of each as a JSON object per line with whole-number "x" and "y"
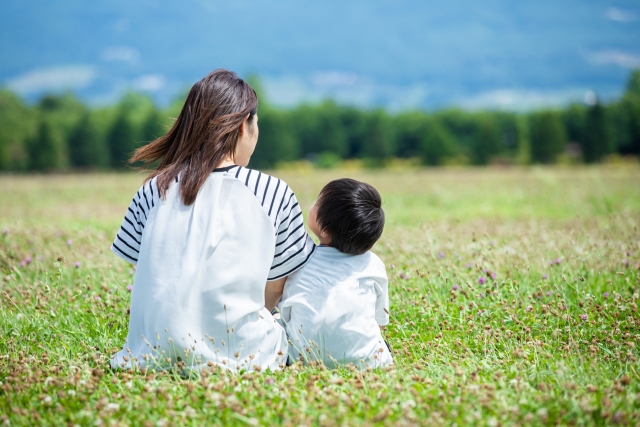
{"x": 198, "y": 292}
{"x": 332, "y": 309}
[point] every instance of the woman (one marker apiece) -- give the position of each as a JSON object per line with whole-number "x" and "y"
{"x": 206, "y": 235}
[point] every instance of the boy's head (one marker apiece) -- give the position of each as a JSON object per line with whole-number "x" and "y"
{"x": 348, "y": 216}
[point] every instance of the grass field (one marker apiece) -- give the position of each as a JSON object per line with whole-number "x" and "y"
{"x": 514, "y": 301}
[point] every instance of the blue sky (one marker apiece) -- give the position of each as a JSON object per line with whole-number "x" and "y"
{"x": 397, "y": 54}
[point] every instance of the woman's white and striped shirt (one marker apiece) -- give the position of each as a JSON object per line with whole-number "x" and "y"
{"x": 293, "y": 245}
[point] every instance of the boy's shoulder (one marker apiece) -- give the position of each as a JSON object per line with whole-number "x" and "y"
{"x": 368, "y": 257}
{"x": 376, "y": 263}
{"x": 327, "y": 258}
{"x": 374, "y": 257}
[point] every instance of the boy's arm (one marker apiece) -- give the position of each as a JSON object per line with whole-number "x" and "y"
{"x": 382, "y": 302}
{"x": 273, "y": 293}
{"x": 381, "y": 285}
{"x": 382, "y": 296}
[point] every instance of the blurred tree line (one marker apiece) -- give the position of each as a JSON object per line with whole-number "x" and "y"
{"x": 60, "y": 133}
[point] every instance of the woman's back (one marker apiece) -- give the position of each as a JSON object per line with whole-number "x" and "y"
{"x": 198, "y": 294}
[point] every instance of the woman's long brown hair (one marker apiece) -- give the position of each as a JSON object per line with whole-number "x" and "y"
{"x": 205, "y": 132}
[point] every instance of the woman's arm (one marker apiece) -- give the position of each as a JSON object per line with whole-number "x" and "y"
{"x": 273, "y": 292}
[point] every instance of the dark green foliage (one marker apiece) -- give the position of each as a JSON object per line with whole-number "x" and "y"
{"x": 152, "y": 127}
{"x": 461, "y": 125}
{"x": 419, "y": 135}
{"x": 277, "y": 141}
{"x": 547, "y": 135}
{"x": 410, "y": 128}
{"x": 16, "y": 121}
{"x": 596, "y": 142}
{"x": 50, "y": 103}
{"x": 633, "y": 85}
{"x": 522, "y": 152}
{"x": 630, "y": 112}
{"x": 318, "y": 128}
{"x": 509, "y": 130}
{"x": 86, "y": 146}
{"x": 377, "y": 137}
{"x": 43, "y": 149}
{"x": 354, "y": 123}
{"x": 435, "y": 144}
{"x": 76, "y": 136}
{"x": 62, "y": 111}
{"x": 483, "y": 136}
{"x": 121, "y": 139}
{"x": 574, "y": 119}
{"x": 487, "y": 141}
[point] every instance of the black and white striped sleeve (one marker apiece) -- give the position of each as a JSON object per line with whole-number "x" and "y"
{"x": 129, "y": 237}
{"x": 293, "y": 245}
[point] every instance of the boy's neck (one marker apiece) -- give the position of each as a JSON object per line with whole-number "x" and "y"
{"x": 323, "y": 241}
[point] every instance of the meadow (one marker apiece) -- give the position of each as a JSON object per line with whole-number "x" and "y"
{"x": 514, "y": 301}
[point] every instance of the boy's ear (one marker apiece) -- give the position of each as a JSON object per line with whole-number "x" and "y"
{"x": 324, "y": 234}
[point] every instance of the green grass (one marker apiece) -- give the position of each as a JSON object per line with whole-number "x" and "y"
{"x": 541, "y": 343}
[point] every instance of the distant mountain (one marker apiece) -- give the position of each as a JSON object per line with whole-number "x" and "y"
{"x": 392, "y": 53}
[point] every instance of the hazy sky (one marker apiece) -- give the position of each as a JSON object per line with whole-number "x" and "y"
{"x": 393, "y": 53}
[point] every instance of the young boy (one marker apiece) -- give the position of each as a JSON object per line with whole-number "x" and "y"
{"x": 334, "y": 307}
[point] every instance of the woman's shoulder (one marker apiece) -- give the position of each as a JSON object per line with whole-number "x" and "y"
{"x": 255, "y": 179}
{"x": 268, "y": 189}
{"x": 129, "y": 238}
{"x": 273, "y": 194}
{"x": 147, "y": 196}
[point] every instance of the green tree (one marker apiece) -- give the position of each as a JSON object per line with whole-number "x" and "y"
{"x": 277, "y": 141}
{"x": 43, "y": 149}
{"x": 410, "y": 128}
{"x": 547, "y": 135}
{"x": 16, "y": 122}
{"x": 436, "y": 144}
{"x": 378, "y": 139}
{"x": 319, "y": 129}
{"x": 487, "y": 140}
{"x": 153, "y": 126}
{"x": 419, "y": 135}
{"x": 86, "y": 146}
{"x": 508, "y": 124}
{"x": 596, "y": 142}
{"x": 61, "y": 113}
{"x": 523, "y": 148}
{"x": 354, "y": 122}
{"x": 121, "y": 139}
{"x": 629, "y": 142}
{"x": 574, "y": 119}
{"x": 134, "y": 123}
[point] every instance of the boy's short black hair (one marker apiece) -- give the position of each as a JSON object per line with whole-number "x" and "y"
{"x": 351, "y": 212}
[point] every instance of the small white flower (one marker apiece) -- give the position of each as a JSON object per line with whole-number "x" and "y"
{"x": 189, "y": 411}
{"x": 112, "y": 407}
